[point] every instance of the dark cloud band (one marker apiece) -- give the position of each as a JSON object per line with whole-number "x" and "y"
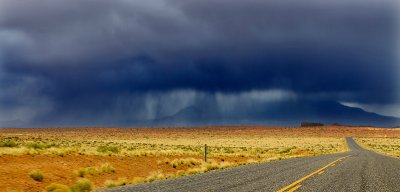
{"x": 85, "y": 53}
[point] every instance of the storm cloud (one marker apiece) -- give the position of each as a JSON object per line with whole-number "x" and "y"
{"x": 108, "y": 62}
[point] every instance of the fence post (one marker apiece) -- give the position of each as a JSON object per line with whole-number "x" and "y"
{"x": 205, "y": 152}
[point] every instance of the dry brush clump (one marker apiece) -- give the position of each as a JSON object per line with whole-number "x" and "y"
{"x": 86, "y": 171}
{"x": 124, "y": 181}
{"x": 81, "y": 185}
{"x": 187, "y": 162}
{"x": 57, "y": 187}
{"x": 107, "y": 149}
{"x": 192, "y": 165}
{"x": 115, "y": 183}
{"x": 103, "y": 168}
{"x": 36, "y": 175}
{"x": 106, "y": 168}
{"x": 8, "y": 143}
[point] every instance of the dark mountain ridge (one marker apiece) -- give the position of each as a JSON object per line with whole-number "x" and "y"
{"x": 289, "y": 113}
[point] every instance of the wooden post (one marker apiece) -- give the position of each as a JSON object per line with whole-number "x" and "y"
{"x": 205, "y": 152}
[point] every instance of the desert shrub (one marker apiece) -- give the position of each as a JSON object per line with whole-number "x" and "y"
{"x": 56, "y": 187}
{"x": 91, "y": 170}
{"x": 8, "y": 144}
{"x": 285, "y": 150}
{"x": 36, "y": 175}
{"x": 106, "y": 168}
{"x": 137, "y": 180}
{"x": 110, "y": 184}
{"x": 181, "y": 173}
{"x": 82, "y": 185}
{"x": 119, "y": 182}
{"x": 105, "y": 149}
{"x": 81, "y": 172}
{"x": 63, "y": 152}
{"x": 158, "y": 175}
{"x": 189, "y": 162}
{"x": 211, "y": 166}
{"x": 195, "y": 171}
{"x": 39, "y": 145}
{"x": 85, "y": 171}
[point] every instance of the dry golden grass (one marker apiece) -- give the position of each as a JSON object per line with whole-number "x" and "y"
{"x": 230, "y": 141}
{"x": 386, "y": 145}
{"x": 136, "y": 155}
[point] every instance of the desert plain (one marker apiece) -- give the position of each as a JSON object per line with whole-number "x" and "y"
{"x": 78, "y": 159}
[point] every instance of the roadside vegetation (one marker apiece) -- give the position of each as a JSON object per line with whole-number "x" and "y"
{"x": 102, "y": 169}
{"x": 117, "y": 156}
{"x": 385, "y": 145}
{"x": 81, "y": 185}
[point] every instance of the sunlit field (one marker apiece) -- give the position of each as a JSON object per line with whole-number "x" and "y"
{"x": 95, "y": 158}
{"x": 385, "y": 145}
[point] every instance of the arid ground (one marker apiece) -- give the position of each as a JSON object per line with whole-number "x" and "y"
{"x": 108, "y": 157}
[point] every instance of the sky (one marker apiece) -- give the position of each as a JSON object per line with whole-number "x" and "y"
{"x": 124, "y": 62}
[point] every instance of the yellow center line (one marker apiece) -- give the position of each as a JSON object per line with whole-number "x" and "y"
{"x": 321, "y": 172}
{"x": 294, "y": 188}
{"x": 310, "y": 175}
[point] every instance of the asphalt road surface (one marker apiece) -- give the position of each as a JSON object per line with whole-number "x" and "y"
{"x": 356, "y": 170}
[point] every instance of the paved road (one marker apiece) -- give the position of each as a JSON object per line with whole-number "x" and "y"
{"x": 356, "y": 170}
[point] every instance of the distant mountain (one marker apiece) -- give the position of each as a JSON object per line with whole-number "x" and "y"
{"x": 289, "y": 113}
